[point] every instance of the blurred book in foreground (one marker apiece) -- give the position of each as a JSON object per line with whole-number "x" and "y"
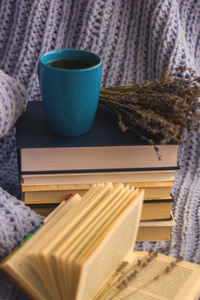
{"x": 85, "y": 251}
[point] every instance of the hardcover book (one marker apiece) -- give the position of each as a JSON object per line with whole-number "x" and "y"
{"x": 155, "y": 230}
{"x": 151, "y": 210}
{"x": 94, "y": 177}
{"x": 55, "y": 192}
{"x": 104, "y": 148}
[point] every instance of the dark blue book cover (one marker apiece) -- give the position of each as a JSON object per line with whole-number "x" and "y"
{"x": 33, "y": 131}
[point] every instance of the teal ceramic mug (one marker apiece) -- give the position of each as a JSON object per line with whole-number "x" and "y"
{"x": 70, "y": 82}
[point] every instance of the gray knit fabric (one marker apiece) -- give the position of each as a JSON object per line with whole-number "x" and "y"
{"x": 13, "y": 102}
{"x": 16, "y": 219}
{"x": 137, "y": 40}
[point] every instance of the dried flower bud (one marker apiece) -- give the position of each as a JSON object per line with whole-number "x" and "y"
{"x": 134, "y": 273}
{"x": 155, "y": 254}
{"x": 124, "y": 282}
{"x": 139, "y": 262}
{"x": 120, "y": 286}
{"x": 180, "y": 258}
{"x": 122, "y": 126}
{"x": 173, "y": 264}
{"x": 166, "y": 249}
{"x": 122, "y": 266}
{"x": 144, "y": 264}
{"x": 167, "y": 269}
{"x": 161, "y": 250}
{"x": 149, "y": 259}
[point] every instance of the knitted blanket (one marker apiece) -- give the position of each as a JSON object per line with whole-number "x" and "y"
{"x": 137, "y": 40}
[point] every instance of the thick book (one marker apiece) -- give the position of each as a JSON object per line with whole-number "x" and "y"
{"x": 57, "y": 192}
{"x": 151, "y": 210}
{"x": 43, "y": 209}
{"x": 95, "y": 177}
{"x": 84, "y": 251}
{"x": 104, "y": 147}
{"x": 156, "y": 210}
{"x": 156, "y": 230}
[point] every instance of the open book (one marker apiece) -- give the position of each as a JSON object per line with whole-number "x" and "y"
{"x": 79, "y": 254}
{"x": 152, "y": 276}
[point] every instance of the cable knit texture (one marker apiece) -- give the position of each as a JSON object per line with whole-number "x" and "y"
{"x": 13, "y": 102}
{"x": 137, "y": 40}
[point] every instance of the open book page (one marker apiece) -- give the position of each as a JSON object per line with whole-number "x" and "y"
{"x": 22, "y": 272}
{"x": 95, "y": 230}
{"x": 160, "y": 279}
{"x": 105, "y": 255}
{"x": 20, "y": 268}
{"x": 62, "y": 229}
{"x": 96, "y": 236}
{"x": 80, "y": 238}
{"x": 55, "y": 225}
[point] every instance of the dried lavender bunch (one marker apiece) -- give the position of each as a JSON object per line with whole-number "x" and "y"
{"x": 160, "y": 110}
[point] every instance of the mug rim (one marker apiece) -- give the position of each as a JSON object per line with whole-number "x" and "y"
{"x": 42, "y": 56}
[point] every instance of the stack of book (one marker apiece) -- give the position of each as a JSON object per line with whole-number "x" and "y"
{"x": 51, "y": 167}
